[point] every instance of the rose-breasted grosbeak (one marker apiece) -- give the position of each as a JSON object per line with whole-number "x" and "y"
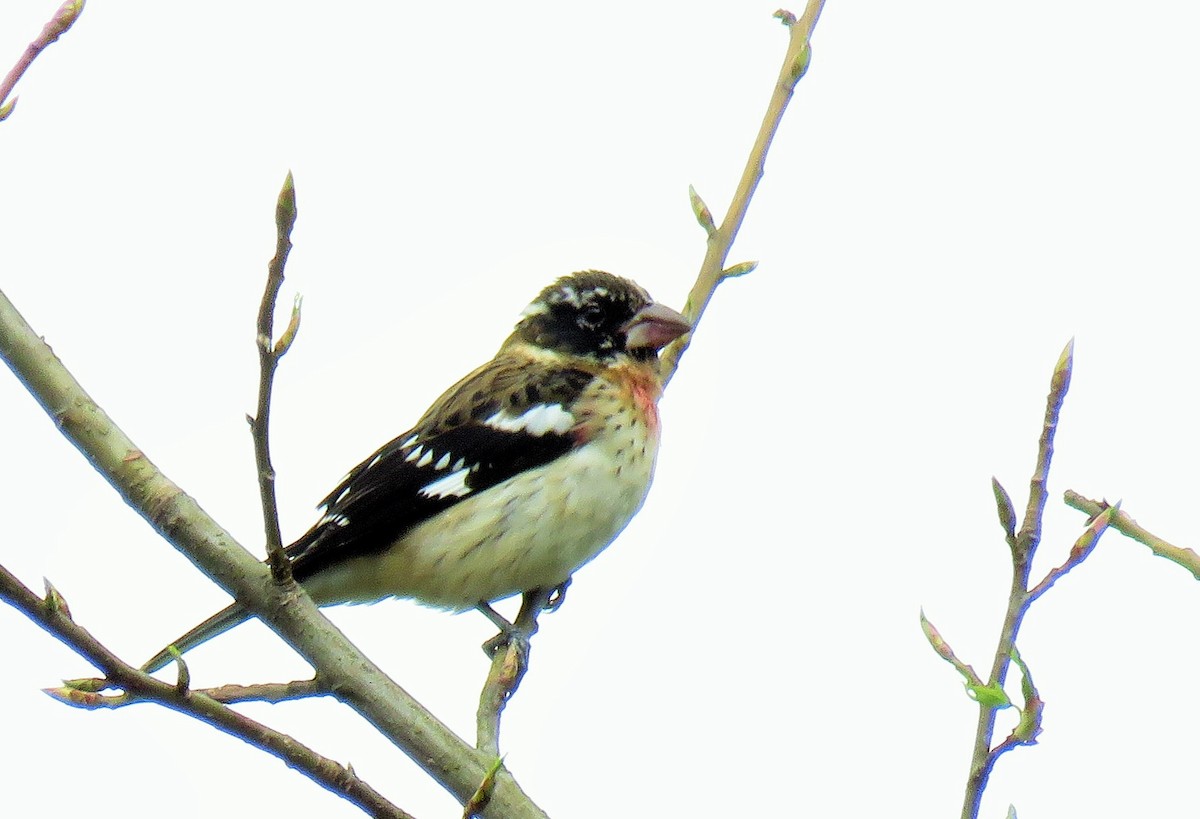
{"x": 516, "y": 476}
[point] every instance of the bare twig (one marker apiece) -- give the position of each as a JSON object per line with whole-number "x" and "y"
{"x": 1023, "y": 545}
{"x": 268, "y": 692}
{"x": 1079, "y": 552}
{"x": 62, "y": 20}
{"x": 1030, "y": 533}
{"x": 227, "y": 694}
{"x": 939, "y": 644}
{"x": 720, "y": 239}
{"x": 52, "y": 615}
{"x": 1129, "y": 527}
{"x": 269, "y": 355}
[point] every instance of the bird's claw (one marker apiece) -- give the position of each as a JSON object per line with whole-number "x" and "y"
{"x": 557, "y": 596}
{"x": 510, "y": 637}
{"x": 521, "y": 631}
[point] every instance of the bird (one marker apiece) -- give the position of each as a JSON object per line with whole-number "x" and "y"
{"x": 514, "y": 478}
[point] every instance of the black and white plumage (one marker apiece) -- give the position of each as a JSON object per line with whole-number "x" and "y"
{"x": 515, "y": 477}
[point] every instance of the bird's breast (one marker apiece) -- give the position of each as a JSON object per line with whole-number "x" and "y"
{"x": 530, "y": 531}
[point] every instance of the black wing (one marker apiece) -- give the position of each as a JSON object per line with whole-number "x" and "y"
{"x": 500, "y": 420}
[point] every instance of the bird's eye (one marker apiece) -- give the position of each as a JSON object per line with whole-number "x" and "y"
{"x": 591, "y": 317}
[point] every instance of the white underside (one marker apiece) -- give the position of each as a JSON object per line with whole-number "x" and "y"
{"x": 532, "y": 531}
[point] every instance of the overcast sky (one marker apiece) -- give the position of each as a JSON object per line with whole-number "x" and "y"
{"x": 958, "y": 190}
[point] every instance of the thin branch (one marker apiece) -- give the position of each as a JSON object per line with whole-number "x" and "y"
{"x": 268, "y": 692}
{"x": 62, "y": 20}
{"x": 509, "y": 665}
{"x": 228, "y": 694}
{"x": 51, "y": 614}
{"x": 1022, "y": 547}
{"x": 1030, "y": 533}
{"x": 510, "y": 661}
{"x": 720, "y": 239}
{"x": 269, "y": 355}
{"x": 1129, "y": 527}
{"x": 1079, "y": 552}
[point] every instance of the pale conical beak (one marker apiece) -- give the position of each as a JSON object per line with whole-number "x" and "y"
{"x": 654, "y": 327}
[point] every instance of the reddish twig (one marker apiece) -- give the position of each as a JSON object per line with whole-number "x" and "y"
{"x": 62, "y": 20}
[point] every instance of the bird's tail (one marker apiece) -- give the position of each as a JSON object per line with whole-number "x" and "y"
{"x": 219, "y": 623}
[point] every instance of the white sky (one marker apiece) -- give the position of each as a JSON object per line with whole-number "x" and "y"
{"x": 958, "y": 189}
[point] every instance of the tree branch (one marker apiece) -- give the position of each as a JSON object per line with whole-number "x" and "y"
{"x": 269, "y": 355}
{"x": 510, "y": 661}
{"x": 1129, "y": 527}
{"x": 1079, "y": 552}
{"x": 62, "y": 20}
{"x": 52, "y": 615}
{"x": 268, "y": 692}
{"x": 1023, "y": 544}
{"x": 720, "y": 239}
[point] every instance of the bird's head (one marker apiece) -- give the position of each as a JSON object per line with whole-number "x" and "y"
{"x": 601, "y": 316}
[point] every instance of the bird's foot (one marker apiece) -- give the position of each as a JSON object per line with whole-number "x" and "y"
{"x": 509, "y": 632}
{"x": 521, "y": 630}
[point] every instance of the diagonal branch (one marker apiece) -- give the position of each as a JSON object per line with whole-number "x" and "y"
{"x": 51, "y": 614}
{"x": 720, "y": 239}
{"x": 62, "y": 20}
{"x": 1121, "y": 522}
{"x": 1023, "y": 544}
{"x": 1079, "y": 552}
{"x": 1030, "y": 533}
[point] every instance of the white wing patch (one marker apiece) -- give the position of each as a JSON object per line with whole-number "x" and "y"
{"x": 537, "y": 420}
{"x": 337, "y": 520}
{"x": 453, "y": 485}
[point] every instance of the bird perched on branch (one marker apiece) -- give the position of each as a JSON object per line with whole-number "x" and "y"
{"x": 519, "y": 474}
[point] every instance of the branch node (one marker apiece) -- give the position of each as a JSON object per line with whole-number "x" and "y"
{"x": 183, "y": 681}
{"x": 289, "y": 335}
{"x": 701, "y": 212}
{"x": 483, "y": 794}
{"x": 1008, "y": 515}
{"x": 54, "y": 601}
{"x": 786, "y": 17}
{"x": 739, "y": 269}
